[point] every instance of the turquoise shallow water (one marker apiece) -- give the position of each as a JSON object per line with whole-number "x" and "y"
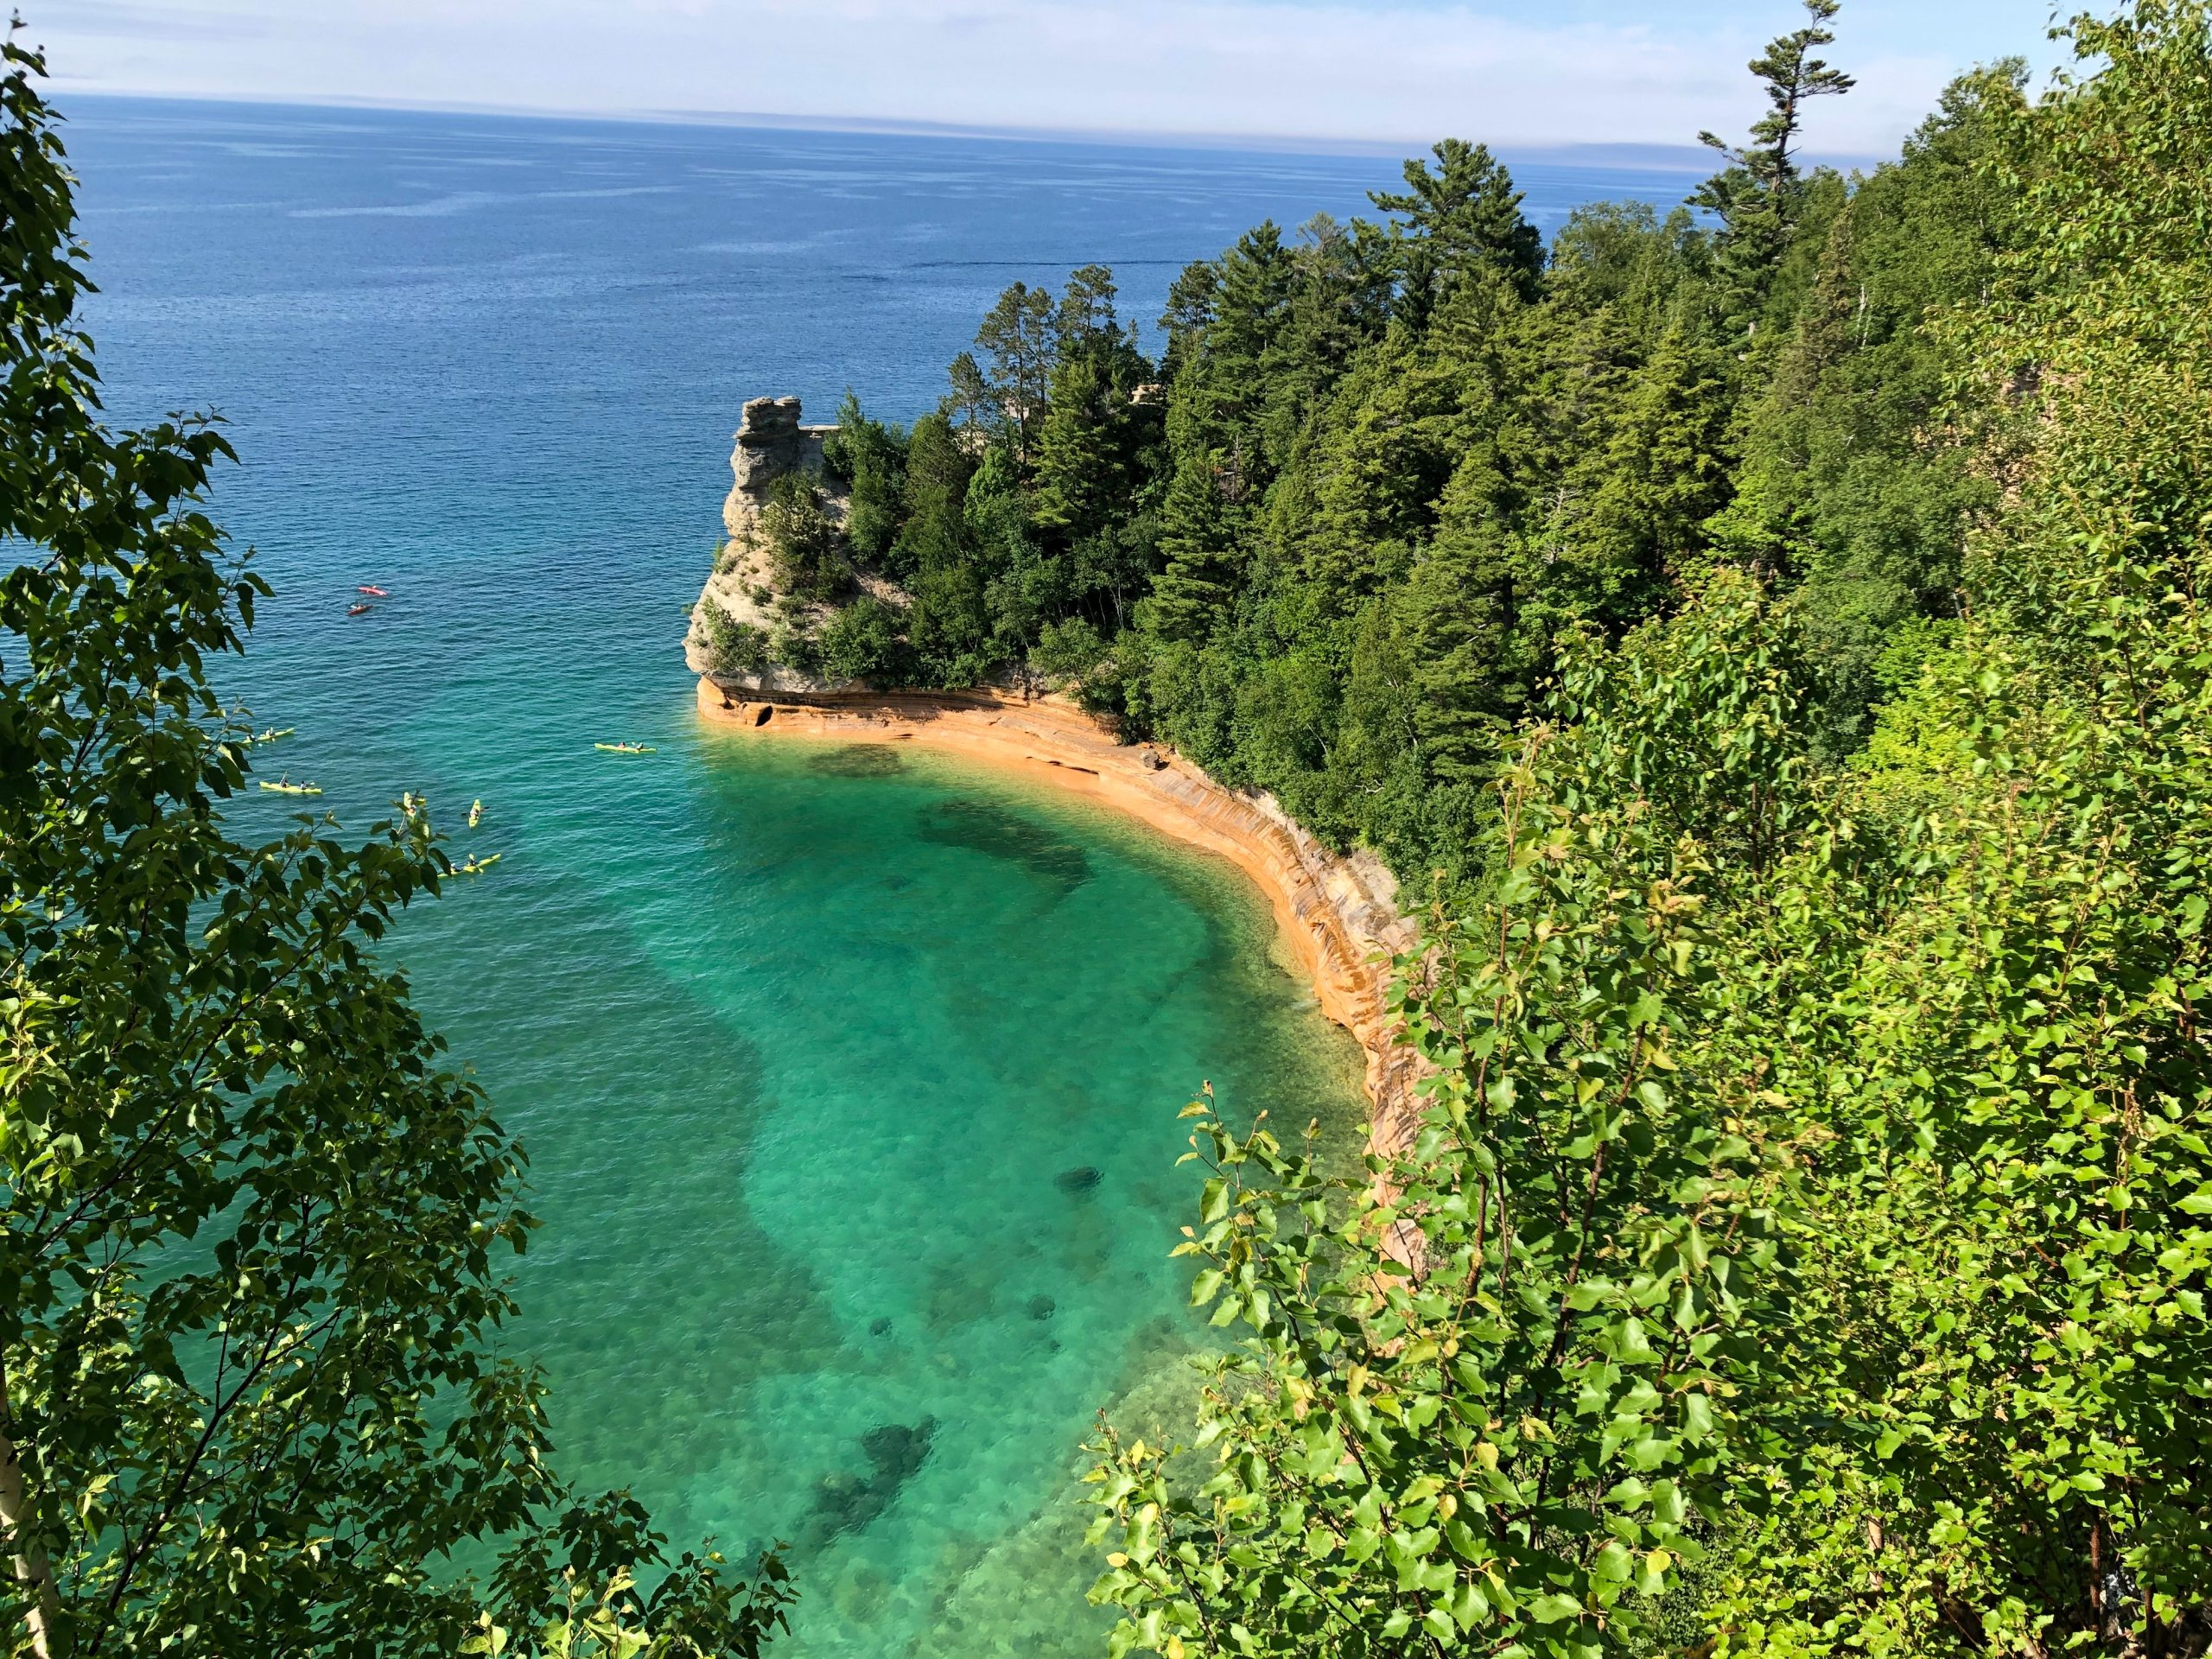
{"x": 850, "y": 1077}
{"x": 856, "y": 1148}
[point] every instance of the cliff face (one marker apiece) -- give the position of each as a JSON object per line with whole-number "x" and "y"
{"x": 1339, "y": 914}
{"x": 771, "y": 444}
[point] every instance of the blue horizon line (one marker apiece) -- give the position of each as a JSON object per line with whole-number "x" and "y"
{"x": 1654, "y": 157}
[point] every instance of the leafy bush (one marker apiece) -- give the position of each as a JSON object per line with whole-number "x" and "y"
{"x": 806, "y": 552}
{"x": 733, "y": 647}
{"x": 862, "y": 642}
{"x": 256, "y": 1242}
{"x": 1813, "y": 1180}
{"x": 795, "y": 649}
{"x": 1498, "y": 1401}
{"x": 1066, "y": 652}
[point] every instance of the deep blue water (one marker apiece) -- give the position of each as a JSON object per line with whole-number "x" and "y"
{"x": 802, "y": 1056}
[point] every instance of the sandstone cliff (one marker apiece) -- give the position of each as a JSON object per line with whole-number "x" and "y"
{"x": 771, "y": 444}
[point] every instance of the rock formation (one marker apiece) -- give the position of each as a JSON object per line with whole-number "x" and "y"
{"x": 772, "y": 444}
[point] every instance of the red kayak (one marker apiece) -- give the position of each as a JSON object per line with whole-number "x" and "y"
{"x": 358, "y": 609}
{"x": 379, "y": 591}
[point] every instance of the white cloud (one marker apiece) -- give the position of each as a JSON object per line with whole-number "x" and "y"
{"x": 1327, "y": 70}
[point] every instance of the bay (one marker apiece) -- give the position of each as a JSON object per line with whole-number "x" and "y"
{"x": 850, "y": 1076}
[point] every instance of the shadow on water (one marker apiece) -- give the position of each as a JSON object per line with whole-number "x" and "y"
{"x": 998, "y": 832}
{"x": 857, "y": 760}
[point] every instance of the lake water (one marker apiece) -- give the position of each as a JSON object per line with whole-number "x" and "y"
{"x": 849, "y": 1077}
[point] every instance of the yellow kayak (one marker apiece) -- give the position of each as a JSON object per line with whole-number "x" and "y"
{"x": 478, "y": 866}
{"x": 626, "y": 749}
{"x": 285, "y": 786}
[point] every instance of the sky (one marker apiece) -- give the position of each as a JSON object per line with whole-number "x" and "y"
{"x": 1524, "y": 74}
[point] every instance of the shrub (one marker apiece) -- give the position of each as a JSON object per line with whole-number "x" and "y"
{"x": 733, "y": 647}
{"x": 805, "y": 548}
{"x": 862, "y": 642}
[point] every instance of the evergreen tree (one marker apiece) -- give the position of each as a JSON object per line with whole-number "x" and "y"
{"x": 1759, "y": 194}
{"x": 1083, "y": 323}
{"x": 934, "y": 530}
{"x": 1189, "y": 308}
{"x": 1199, "y": 577}
{"x": 1097, "y": 423}
{"x": 1463, "y": 215}
{"x": 1852, "y": 482}
{"x": 1016, "y": 339}
{"x": 1662, "y": 474}
{"x": 872, "y": 459}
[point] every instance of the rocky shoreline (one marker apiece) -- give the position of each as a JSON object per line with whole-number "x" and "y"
{"x": 1338, "y": 913}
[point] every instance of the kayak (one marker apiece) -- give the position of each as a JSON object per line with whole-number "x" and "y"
{"x": 476, "y": 815}
{"x": 379, "y": 591}
{"x": 626, "y": 749}
{"x": 478, "y": 866}
{"x": 356, "y": 610}
{"x": 285, "y": 786}
{"x": 273, "y": 733}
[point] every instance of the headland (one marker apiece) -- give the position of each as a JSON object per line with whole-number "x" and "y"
{"x": 1338, "y": 912}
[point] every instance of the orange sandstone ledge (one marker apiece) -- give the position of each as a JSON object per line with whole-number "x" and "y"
{"x": 1339, "y": 913}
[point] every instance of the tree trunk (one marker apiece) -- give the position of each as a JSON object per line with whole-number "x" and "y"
{"x": 30, "y": 1563}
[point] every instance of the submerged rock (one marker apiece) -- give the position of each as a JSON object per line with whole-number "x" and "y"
{"x": 1081, "y": 1180}
{"x": 897, "y": 1451}
{"x": 987, "y": 827}
{"x": 858, "y": 761}
{"x": 844, "y": 1502}
{"x": 1042, "y": 1307}
{"x": 879, "y": 1328}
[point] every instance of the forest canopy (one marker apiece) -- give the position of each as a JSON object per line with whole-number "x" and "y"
{"x": 1769, "y": 637}
{"x": 1329, "y": 542}
{"x": 1792, "y": 631}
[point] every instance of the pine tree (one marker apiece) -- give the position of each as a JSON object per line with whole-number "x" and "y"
{"x": 1464, "y": 215}
{"x": 1758, "y": 194}
{"x": 1016, "y": 339}
{"x": 1198, "y": 582}
{"x": 934, "y": 530}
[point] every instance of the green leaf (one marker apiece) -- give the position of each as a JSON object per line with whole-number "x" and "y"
{"x": 1213, "y": 1202}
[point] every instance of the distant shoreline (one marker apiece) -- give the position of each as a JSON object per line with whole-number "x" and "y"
{"x": 1339, "y": 914}
{"x": 1626, "y": 155}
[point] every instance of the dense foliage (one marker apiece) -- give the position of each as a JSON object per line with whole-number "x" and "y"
{"x": 1329, "y": 542}
{"x": 254, "y": 1228}
{"x": 1805, "y": 1246}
